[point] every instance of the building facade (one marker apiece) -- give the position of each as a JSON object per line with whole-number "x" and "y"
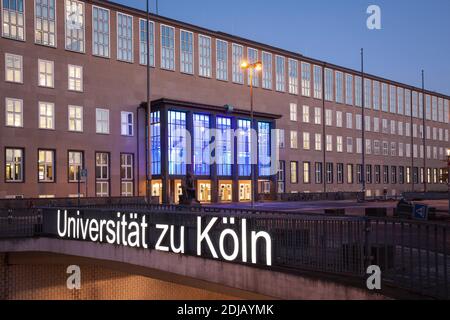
{"x": 73, "y": 85}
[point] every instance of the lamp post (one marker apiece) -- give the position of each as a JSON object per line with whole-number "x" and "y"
{"x": 149, "y": 117}
{"x": 252, "y": 67}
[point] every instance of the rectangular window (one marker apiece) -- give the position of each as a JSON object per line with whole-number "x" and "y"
{"x": 408, "y": 105}
{"x": 252, "y": 57}
{"x": 124, "y": 37}
{"x": 306, "y": 79}
{"x": 224, "y": 147}
{"x": 384, "y": 97}
{"x": 349, "y": 145}
{"x": 339, "y": 144}
{"x": 428, "y": 107}
{"x": 100, "y": 32}
{"x": 102, "y": 121}
{"x": 127, "y": 124}
{"x": 177, "y": 143}
{"x": 369, "y": 173}
{"x": 46, "y": 115}
{"x": 434, "y": 109}
{"x": 13, "y": 68}
{"x": 187, "y": 52}
{"x": 204, "y": 56}
{"x": 392, "y": 99}
{"x": 293, "y": 76}
{"x": 244, "y": 148}
{"x": 294, "y": 140}
{"x": 339, "y": 87}
{"x": 340, "y": 173}
{"x": 358, "y": 91}
{"x": 359, "y": 173}
{"x": 75, "y": 165}
{"x": 126, "y": 175}
{"x": 45, "y": 22}
{"x": 318, "y": 142}
{"x": 330, "y": 173}
{"x": 305, "y": 114}
{"x": 13, "y": 19}
{"x": 222, "y": 60}
{"x": 75, "y": 82}
{"x": 376, "y": 95}
{"x": 156, "y": 142}
{"x": 339, "y": 119}
{"x": 317, "y": 82}
{"x": 143, "y": 47}
{"x": 318, "y": 173}
{"x": 317, "y": 115}
{"x": 267, "y": 70}
{"x": 102, "y": 174}
{"x": 349, "y": 122}
{"x": 400, "y": 101}
{"x": 306, "y": 141}
{"x": 281, "y": 138}
{"x": 367, "y": 93}
{"x": 201, "y": 144}
{"x": 280, "y": 73}
{"x": 264, "y": 149}
{"x": 293, "y": 111}
{"x": 415, "y": 110}
{"x": 14, "y": 112}
{"x": 238, "y": 56}
{"x": 167, "y": 47}
{"x": 75, "y": 118}
{"x": 393, "y": 174}
{"x": 377, "y": 174}
{"x": 329, "y": 143}
{"x": 441, "y": 110}
{"x": 349, "y": 89}
{"x": 328, "y": 84}
{"x": 46, "y": 73}
{"x": 14, "y": 164}
{"x": 281, "y": 177}
{"x": 350, "y": 174}
{"x": 306, "y": 172}
{"x": 46, "y": 166}
{"x": 75, "y": 26}
{"x": 421, "y": 105}
{"x": 294, "y": 172}
{"x": 328, "y": 117}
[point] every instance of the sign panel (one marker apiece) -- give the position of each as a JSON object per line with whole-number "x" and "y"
{"x": 420, "y": 212}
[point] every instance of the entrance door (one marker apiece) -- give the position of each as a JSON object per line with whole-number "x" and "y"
{"x": 225, "y": 191}
{"x": 245, "y": 191}
{"x": 204, "y": 191}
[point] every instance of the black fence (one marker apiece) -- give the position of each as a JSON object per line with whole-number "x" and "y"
{"x": 413, "y": 256}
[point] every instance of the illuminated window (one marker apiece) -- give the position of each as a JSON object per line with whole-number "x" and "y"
{"x": 13, "y": 19}
{"x": 294, "y": 140}
{"x": 244, "y": 148}
{"x": 46, "y": 73}
{"x": 280, "y": 73}
{"x": 75, "y": 165}
{"x": 202, "y": 140}
{"x": 177, "y": 143}
{"x": 238, "y": 56}
{"x": 156, "y": 142}
{"x": 167, "y": 47}
{"x": 124, "y": 37}
{"x": 14, "y": 112}
{"x": 126, "y": 175}
{"x": 267, "y": 70}
{"x": 293, "y": 76}
{"x": 75, "y": 26}
{"x": 306, "y": 79}
{"x": 204, "y": 56}
{"x": 46, "y": 166}
{"x": 101, "y": 32}
{"x": 14, "y": 163}
{"x": 102, "y": 174}
{"x": 224, "y": 153}
{"x": 187, "y": 52}
{"x": 46, "y": 115}
{"x": 294, "y": 172}
{"x": 293, "y": 111}
{"x": 306, "y": 141}
{"x": 143, "y": 47}
{"x": 45, "y": 22}
{"x": 264, "y": 148}
{"x": 306, "y": 172}
{"x": 222, "y": 60}
{"x": 76, "y": 118}
{"x": 13, "y": 68}
{"x": 75, "y": 78}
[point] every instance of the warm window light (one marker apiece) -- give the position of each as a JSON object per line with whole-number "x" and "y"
{"x": 448, "y": 152}
{"x": 244, "y": 65}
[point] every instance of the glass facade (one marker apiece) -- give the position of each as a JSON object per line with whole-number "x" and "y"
{"x": 202, "y": 138}
{"x": 156, "y": 142}
{"x": 177, "y": 142}
{"x": 244, "y": 148}
{"x": 264, "y": 148}
{"x": 224, "y": 147}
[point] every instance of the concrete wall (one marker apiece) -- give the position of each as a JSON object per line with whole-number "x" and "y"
{"x": 228, "y": 279}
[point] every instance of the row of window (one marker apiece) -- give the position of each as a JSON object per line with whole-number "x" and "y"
{"x": 46, "y": 73}
{"x": 375, "y": 124}
{"x": 301, "y": 77}
{"x": 14, "y": 114}
{"x": 375, "y": 174}
{"x": 375, "y": 147}
{"x": 46, "y": 173}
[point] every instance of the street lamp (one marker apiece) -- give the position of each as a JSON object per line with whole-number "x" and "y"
{"x": 252, "y": 67}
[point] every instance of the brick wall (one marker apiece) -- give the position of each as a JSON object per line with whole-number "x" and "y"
{"x": 48, "y": 282}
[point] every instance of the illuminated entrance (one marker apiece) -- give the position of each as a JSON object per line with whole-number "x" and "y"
{"x": 245, "y": 191}
{"x": 226, "y": 191}
{"x": 204, "y": 191}
{"x": 157, "y": 189}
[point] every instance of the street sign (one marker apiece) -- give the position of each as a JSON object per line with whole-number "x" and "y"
{"x": 420, "y": 212}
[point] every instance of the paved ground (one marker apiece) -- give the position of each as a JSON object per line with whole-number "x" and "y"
{"x": 351, "y": 207}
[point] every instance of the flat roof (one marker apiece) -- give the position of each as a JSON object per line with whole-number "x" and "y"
{"x": 227, "y": 36}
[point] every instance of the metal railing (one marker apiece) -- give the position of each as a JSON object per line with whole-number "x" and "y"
{"x": 412, "y": 255}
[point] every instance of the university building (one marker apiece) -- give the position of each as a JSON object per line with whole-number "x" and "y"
{"x": 73, "y": 90}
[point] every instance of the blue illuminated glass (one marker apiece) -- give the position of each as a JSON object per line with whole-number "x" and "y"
{"x": 224, "y": 147}
{"x": 156, "y": 142}
{"x": 202, "y": 138}
{"x": 264, "y": 149}
{"x": 244, "y": 148}
{"x": 177, "y": 143}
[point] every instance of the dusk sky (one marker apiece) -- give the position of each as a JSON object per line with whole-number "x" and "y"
{"x": 415, "y": 34}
